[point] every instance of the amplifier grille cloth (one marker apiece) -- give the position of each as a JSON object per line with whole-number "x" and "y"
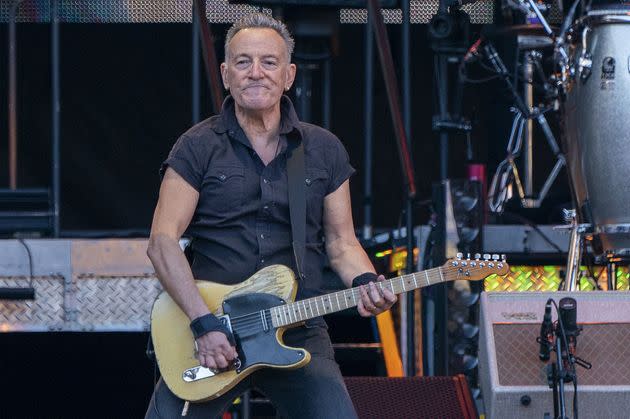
{"x": 606, "y": 346}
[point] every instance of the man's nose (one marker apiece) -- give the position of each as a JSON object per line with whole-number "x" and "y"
{"x": 256, "y": 70}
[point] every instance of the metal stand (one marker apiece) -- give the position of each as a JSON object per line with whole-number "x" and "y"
{"x": 449, "y": 34}
{"x": 521, "y": 136}
{"x": 556, "y": 376}
{"x": 404, "y": 144}
{"x": 571, "y": 280}
{"x": 611, "y": 270}
{"x": 522, "y": 125}
{"x": 561, "y": 338}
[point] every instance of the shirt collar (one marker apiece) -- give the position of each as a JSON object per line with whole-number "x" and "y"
{"x": 226, "y": 122}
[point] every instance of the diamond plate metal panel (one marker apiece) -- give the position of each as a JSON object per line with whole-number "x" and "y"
{"x": 218, "y": 11}
{"x": 548, "y": 278}
{"x": 124, "y": 11}
{"x": 115, "y": 303}
{"x": 44, "y": 313}
{"x": 606, "y": 346}
{"x": 421, "y": 12}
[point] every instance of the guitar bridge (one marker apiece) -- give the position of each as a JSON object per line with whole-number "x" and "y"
{"x": 199, "y": 373}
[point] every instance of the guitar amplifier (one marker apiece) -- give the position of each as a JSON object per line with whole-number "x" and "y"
{"x": 513, "y": 379}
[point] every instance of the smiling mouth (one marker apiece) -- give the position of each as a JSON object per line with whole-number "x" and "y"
{"x": 254, "y": 86}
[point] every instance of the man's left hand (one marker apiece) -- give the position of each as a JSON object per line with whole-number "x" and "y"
{"x": 375, "y": 300}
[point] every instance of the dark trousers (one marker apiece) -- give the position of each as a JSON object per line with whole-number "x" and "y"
{"x": 312, "y": 392}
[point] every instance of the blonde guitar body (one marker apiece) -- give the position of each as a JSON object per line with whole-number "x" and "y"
{"x": 175, "y": 346}
{"x": 259, "y": 310}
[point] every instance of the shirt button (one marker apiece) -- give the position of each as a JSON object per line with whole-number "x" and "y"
{"x": 262, "y": 260}
{"x": 266, "y": 180}
{"x": 308, "y": 181}
{"x": 222, "y": 177}
{"x": 262, "y": 236}
{"x": 266, "y": 207}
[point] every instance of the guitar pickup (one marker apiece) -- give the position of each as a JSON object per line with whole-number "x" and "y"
{"x": 225, "y": 319}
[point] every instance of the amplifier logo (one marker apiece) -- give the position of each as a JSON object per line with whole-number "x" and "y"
{"x": 520, "y": 316}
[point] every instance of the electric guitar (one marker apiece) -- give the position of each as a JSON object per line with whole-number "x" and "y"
{"x": 259, "y": 310}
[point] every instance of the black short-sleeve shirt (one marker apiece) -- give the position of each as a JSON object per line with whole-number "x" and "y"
{"x": 241, "y": 223}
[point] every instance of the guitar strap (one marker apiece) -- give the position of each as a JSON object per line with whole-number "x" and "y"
{"x": 296, "y": 174}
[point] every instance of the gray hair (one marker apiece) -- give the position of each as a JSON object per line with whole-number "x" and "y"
{"x": 260, "y": 20}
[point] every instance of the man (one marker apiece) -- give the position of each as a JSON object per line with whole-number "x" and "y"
{"x": 225, "y": 183}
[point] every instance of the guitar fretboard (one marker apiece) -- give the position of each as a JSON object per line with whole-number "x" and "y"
{"x": 309, "y": 308}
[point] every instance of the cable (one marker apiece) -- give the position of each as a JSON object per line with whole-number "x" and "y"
{"x": 21, "y": 293}
{"x": 30, "y": 261}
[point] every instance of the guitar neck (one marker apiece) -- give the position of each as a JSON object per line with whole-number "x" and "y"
{"x": 309, "y": 308}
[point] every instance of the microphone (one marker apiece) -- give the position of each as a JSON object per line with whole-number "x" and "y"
{"x": 568, "y": 313}
{"x": 545, "y": 330}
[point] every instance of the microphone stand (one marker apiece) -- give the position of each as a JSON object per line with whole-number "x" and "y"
{"x": 557, "y": 372}
{"x": 556, "y": 376}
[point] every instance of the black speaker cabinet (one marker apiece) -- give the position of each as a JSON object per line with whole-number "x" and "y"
{"x": 510, "y": 372}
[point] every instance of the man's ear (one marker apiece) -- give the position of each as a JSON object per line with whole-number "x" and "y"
{"x": 290, "y": 76}
{"x": 226, "y": 84}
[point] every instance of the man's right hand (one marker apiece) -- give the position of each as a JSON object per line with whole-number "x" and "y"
{"x": 214, "y": 351}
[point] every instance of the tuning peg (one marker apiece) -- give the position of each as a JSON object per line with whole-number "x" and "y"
{"x": 486, "y": 256}
{"x": 495, "y": 257}
{"x": 468, "y": 256}
{"x": 477, "y": 256}
{"x": 460, "y": 255}
{"x": 503, "y": 258}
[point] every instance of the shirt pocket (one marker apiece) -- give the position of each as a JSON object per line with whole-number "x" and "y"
{"x": 222, "y": 189}
{"x": 316, "y": 185}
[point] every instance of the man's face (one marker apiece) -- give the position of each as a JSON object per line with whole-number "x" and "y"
{"x": 257, "y": 69}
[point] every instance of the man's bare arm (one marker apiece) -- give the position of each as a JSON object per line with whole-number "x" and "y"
{"x": 175, "y": 208}
{"x": 347, "y": 258}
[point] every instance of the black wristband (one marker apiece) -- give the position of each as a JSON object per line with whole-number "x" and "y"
{"x": 209, "y": 323}
{"x": 364, "y": 279}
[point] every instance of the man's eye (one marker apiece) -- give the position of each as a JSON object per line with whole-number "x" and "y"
{"x": 270, "y": 63}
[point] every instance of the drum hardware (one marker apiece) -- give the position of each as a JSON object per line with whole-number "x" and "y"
{"x": 507, "y": 171}
{"x": 530, "y": 38}
{"x": 575, "y": 252}
{"x": 585, "y": 62}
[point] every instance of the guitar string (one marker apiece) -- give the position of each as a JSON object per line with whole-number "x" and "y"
{"x": 251, "y": 321}
{"x": 251, "y": 325}
{"x": 254, "y": 318}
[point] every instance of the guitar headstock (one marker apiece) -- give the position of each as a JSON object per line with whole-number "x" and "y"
{"x": 478, "y": 267}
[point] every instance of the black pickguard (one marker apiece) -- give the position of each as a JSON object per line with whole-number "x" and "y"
{"x": 255, "y": 345}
